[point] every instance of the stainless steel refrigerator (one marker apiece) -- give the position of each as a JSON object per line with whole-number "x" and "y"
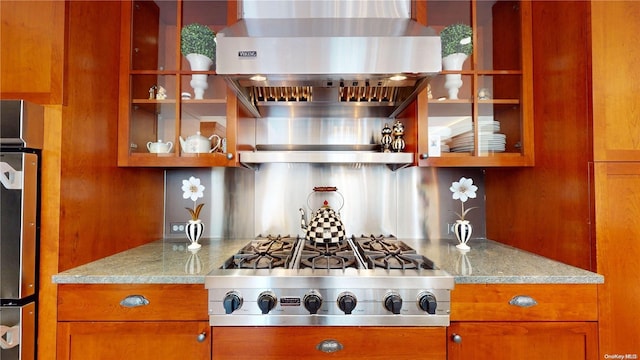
{"x": 21, "y": 140}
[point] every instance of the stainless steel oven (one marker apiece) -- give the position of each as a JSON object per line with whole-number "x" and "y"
{"x": 21, "y": 139}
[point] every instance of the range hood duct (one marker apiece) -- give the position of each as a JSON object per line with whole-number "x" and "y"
{"x": 327, "y": 67}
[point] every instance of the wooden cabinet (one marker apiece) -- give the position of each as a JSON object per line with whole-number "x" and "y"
{"x": 519, "y": 321}
{"x": 133, "y": 322}
{"x": 489, "y": 122}
{"x": 157, "y": 100}
{"x": 337, "y": 342}
{"x": 615, "y": 93}
{"x": 617, "y": 230}
{"x": 32, "y": 55}
{"x": 175, "y": 340}
{"x": 522, "y": 340}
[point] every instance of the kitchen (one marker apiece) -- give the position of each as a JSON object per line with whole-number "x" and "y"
{"x": 81, "y": 129}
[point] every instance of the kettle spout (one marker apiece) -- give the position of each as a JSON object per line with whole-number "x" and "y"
{"x": 303, "y": 222}
{"x": 183, "y": 144}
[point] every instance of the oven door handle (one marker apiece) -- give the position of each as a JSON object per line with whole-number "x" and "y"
{"x": 9, "y": 336}
{"x": 9, "y": 177}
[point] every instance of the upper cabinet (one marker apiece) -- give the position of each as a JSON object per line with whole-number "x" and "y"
{"x": 174, "y": 110}
{"x": 478, "y": 110}
{"x": 476, "y": 113}
{"x": 615, "y": 92}
{"x": 32, "y": 55}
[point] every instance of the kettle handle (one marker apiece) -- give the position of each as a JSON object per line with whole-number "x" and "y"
{"x": 325, "y": 189}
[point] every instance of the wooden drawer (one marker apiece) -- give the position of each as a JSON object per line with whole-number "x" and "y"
{"x": 78, "y": 302}
{"x": 338, "y": 343}
{"x": 495, "y": 302}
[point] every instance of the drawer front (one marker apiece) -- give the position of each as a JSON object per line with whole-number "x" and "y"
{"x": 528, "y": 302}
{"x": 78, "y": 302}
{"x": 329, "y": 343}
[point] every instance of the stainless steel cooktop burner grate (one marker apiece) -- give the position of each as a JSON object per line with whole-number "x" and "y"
{"x": 390, "y": 253}
{"x": 328, "y": 256}
{"x": 364, "y": 252}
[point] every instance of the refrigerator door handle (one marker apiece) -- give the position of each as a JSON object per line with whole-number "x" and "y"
{"x": 9, "y": 336}
{"x": 9, "y": 177}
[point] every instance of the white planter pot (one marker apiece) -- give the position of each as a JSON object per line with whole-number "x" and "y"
{"x": 194, "y": 230}
{"x": 198, "y": 82}
{"x": 453, "y": 82}
{"x": 462, "y": 229}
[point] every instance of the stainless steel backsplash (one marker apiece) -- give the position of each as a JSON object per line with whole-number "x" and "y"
{"x": 243, "y": 203}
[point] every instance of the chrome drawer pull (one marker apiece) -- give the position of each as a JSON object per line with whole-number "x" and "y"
{"x": 132, "y": 301}
{"x": 329, "y": 346}
{"x": 523, "y": 301}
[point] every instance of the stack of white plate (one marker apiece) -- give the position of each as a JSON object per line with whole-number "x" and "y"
{"x": 456, "y": 133}
{"x": 486, "y": 125}
{"x": 487, "y": 141}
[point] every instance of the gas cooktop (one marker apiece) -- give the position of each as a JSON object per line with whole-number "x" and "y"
{"x": 362, "y": 281}
{"x": 364, "y": 252}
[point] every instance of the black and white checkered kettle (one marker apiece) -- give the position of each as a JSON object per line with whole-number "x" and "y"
{"x": 325, "y": 225}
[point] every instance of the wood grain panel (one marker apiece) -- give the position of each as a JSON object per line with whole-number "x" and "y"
{"x": 618, "y": 230}
{"x": 101, "y": 302}
{"x": 557, "y": 302}
{"x": 616, "y": 58}
{"x": 547, "y": 209}
{"x": 104, "y": 209}
{"x": 301, "y": 342}
{"x": 49, "y": 230}
{"x": 524, "y": 340}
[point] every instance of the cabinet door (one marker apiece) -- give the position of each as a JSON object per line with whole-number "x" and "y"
{"x": 615, "y": 90}
{"x": 618, "y": 254}
{"x": 329, "y": 342}
{"x": 171, "y": 340}
{"x": 522, "y": 340}
{"x": 158, "y": 85}
{"x": 479, "y": 113}
{"x": 32, "y": 55}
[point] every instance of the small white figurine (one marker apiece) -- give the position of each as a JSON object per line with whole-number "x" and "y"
{"x": 161, "y": 93}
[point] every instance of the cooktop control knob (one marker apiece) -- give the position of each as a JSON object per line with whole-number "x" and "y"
{"x": 266, "y": 301}
{"x": 347, "y": 302}
{"x": 312, "y": 301}
{"x": 393, "y": 302}
{"x": 427, "y": 302}
{"x": 232, "y": 302}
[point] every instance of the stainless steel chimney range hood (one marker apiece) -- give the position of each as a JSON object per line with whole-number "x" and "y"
{"x": 327, "y": 67}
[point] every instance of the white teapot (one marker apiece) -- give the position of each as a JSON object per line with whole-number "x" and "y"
{"x": 200, "y": 144}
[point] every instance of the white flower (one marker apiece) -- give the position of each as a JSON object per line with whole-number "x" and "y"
{"x": 192, "y": 189}
{"x": 463, "y": 190}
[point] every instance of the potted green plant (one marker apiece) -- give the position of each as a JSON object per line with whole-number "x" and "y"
{"x": 457, "y": 45}
{"x": 198, "y": 45}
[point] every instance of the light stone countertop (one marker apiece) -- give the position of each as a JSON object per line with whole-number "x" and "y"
{"x": 168, "y": 261}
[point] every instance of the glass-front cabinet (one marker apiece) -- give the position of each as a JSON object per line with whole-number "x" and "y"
{"x": 173, "y": 112}
{"x": 477, "y": 111}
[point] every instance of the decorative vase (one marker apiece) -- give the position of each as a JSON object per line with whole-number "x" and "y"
{"x": 199, "y": 62}
{"x": 462, "y": 229}
{"x": 453, "y": 82}
{"x": 194, "y": 230}
{"x": 193, "y": 264}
